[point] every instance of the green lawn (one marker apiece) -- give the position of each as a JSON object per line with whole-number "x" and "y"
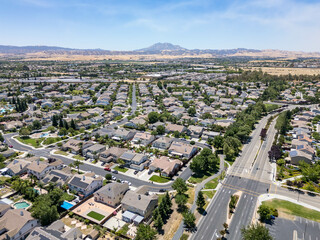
{"x": 31, "y": 141}
{"x": 68, "y": 197}
{"x": 158, "y": 179}
{"x": 78, "y": 157}
{"x": 184, "y": 237}
{"x": 198, "y": 178}
{"x": 212, "y": 184}
{"x": 51, "y": 140}
{"x": 120, "y": 169}
{"x": 96, "y": 215}
{"x": 209, "y": 194}
{"x": 293, "y": 209}
{"x": 61, "y": 153}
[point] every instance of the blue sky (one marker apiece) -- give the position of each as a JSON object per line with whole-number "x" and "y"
{"x": 134, "y": 24}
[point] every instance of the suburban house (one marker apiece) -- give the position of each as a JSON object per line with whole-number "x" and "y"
{"x": 181, "y": 149}
{"x": 136, "y": 202}
{"x": 143, "y": 138}
{"x": 57, "y": 230}
{"x": 296, "y": 156}
{"x": 174, "y": 127}
{"x": 16, "y": 224}
{"x": 209, "y": 134}
{"x": 139, "y": 162}
{"x": 162, "y": 143}
{"x": 94, "y": 150}
{"x": 112, "y": 154}
{"x": 18, "y": 167}
{"x": 111, "y": 194}
{"x": 73, "y": 145}
{"x": 166, "y": 166}
{"x": 123, "y": 134}
{"x": 40, "y": 169}
{"x": 58, "y": 177}
{"x": 85, "y": 184}
{"x": 195, "y": 131}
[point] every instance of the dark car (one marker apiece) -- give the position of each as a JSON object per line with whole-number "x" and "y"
{"x": 162, "y": 190}
{"x": 135, "y": 172}
{"x": 115, "y": 171}
{"x": 150, "y": 171}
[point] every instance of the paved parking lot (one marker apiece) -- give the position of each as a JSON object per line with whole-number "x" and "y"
{"x": 284, "y": 229}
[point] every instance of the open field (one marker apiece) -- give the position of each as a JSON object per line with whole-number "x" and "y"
{"x": 285, "y": 71}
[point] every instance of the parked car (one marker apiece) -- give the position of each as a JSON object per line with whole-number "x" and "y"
{"x": 114, "y": 171}
{"x": 150, "y": 171}
{"x": 107, "y": 169}
{"x": 114, "y": 178}
{"x": 135, "y": 172}
{"x": 10, "y": 146}
{"x": 162, "y": 190}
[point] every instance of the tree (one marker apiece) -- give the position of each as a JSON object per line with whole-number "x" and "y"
{"x": 36, "y": 125}
{"x": 145, "y": 232}
{"x": 108, "y": 176}
{"x": 264, "y": 212}
{"x": 181, "y": 200}
{"x": 24, "y": 132}
{"x": 1, "y": 137}
{"x": 153, "y": 117}
{"x": 160, "y": 129}
{"x": 72, "y": 124}
{"x": 61, "y": 123}
{"x": 167, "y": 200}
{"x": 158, "y": 223}
{"x": 218, "y": 142}
{"x": 275, "y": 152}
{"x": 180, "y": 186}
{"x": 192, "y": 111}
{"x": 200, "y": 200}
{"x": 77, "y": 164}
{"x": 121, "y": 162}
{"x": 189, "y": 219}
{"x": 55, "y": 121}
{"x": 222, "y": 233}
{"x": 225, "y": 226}
{"x": 255, "y": 232}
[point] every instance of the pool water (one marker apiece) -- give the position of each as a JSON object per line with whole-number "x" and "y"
{"x": 66, "y": 205}
{"x": 21, "y": 205}
{"x": 44, "y": 135}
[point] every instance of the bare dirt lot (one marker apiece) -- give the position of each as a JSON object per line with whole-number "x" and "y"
{"x": 286, "y": 71}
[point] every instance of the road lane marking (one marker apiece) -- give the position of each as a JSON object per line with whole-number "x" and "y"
{"x": 215, "y": 232}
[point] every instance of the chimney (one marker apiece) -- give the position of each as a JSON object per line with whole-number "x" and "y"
{"x": 84, "y": 178}
{"x": 20, "y": 166}
{"x": 139, "y": 197}
{"x": 21, "y": 213}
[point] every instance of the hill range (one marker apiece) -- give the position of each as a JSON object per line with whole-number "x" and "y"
{"x": 156, "y": 51}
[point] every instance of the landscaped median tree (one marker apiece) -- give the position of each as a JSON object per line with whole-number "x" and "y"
{"x": 255, "y": 232}
{"x": 265, "y": 213}
{"x": 181, "y": 197}
{"x": 275, "y": 152}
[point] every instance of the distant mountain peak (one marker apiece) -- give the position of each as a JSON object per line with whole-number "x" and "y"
{"x": 158, "y": 47}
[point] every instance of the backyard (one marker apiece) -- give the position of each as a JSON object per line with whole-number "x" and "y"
{"x": 96, "y": 215}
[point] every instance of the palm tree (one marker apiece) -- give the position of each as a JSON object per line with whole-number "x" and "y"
{"x": 77, "y": 164}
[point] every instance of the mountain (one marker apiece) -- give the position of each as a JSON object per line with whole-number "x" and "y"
{"x": 158, "y": 50}
{"x": 160, "y": 47}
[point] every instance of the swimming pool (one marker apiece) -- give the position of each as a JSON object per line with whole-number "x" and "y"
{"x": 66, "y": 205}
{"x": 20, "y": 205}
{"x": 44, "y": 135}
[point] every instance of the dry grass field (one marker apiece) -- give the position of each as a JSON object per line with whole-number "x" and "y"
{"x": 285, "y": 71}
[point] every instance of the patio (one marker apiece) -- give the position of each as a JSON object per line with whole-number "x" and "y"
{"x": 97, "y": 208}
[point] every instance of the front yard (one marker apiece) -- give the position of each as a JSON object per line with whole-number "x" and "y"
{"x": 61, "y": 153}
{"x": 121, "y": 169}
{"x": 158, "y": 179}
